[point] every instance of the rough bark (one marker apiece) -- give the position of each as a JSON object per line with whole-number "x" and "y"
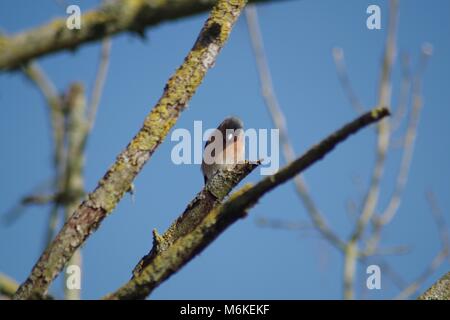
{"x": 169, "y": 261}
{"x": 111, "y": 18}
{"x": 208, "y": 198}
{"x": 438, "y": 291}
{"x": 118, "y": 179}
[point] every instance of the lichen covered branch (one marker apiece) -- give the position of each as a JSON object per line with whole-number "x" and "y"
{"x": 438, "y": 291}
{"x": 221, "y": 217}
{"x": 208, "y": 198}
{"x": 118, "y": 179}
{"x": 111, "y": 18}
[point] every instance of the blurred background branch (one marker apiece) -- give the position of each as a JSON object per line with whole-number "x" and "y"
{"x": 71, "y": 124}
{"x": 279, "y": 121}
{"x": 385, "y": 128}
{"x": 8, "y": 286}
{"x": 344, "y": 79}
{"x": 72, "y": 117}
{"x": 111, "y": 18}
{"x": 439, "y": 258}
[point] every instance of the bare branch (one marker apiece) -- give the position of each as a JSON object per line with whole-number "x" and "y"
{"x": 210, "y": 197}
{"x": 383, "y": 130}
{"x": 283, "y": 224}
{"x": 400, "y": 111}
{"x": 440, "y": 257}
{"x": 72, "y": 182}
{"x": 408, "y": 147}
{"x": 279, "y": 121}
{"x": 111, "y": 18}
{"x": 438, "y": 291}
{"x": 383, "y": 127}
{"x": 188, "y": 246}
{"x": 408, "y": 150}
{"x": 344, "y": 79}
{"x": 34, "y": 199}
{"x": 99, "y": 82}
{"x": 56, "y": 104}
{"x": 37, "y": 75}
{"x": 118, "y": 179}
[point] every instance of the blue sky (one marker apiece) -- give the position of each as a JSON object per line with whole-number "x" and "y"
{"x": 247, "y": 261}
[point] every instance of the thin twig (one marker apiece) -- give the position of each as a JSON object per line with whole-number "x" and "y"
{"x": 279, "y": 121}
{"x": 410, "y": 138}
{"x": 439, "y": 258}
{"x": 403, "y": 100}
{"x": 408, "y": 150}
{"x": 344, "y": 79}
{"x": 282, "y": 224}
{"x": 56, "y": 105}
{"x": 383, "y": 130}
{"x": 99, "y": 82}
{"x": 52, "y": 224}
{"x": 14, "y": 213}
{"x": 383, "y": 127}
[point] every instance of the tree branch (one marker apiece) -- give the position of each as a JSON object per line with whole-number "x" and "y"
{"x": 111, "y": 18}
{"x": 279, "y": 121}
{"x": 439, "y": 258}
{"x": 408, "y": 149}
{"x": 344, "y": 79}
{"x": 7, "y": 286}
{"x": 99, "y": 82}
{"x": 211, "y": 196}
{"x": 188, "y": 246}
{"x": 383, "y": 130}
{"x": 438, "y": 291}
{"x": 76, "y": 130}
{"x": 118, "y": 179}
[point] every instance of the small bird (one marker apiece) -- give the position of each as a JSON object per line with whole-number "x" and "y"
{"x": 224, "y": 148}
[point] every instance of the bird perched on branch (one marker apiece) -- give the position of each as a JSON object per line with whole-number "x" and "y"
{"x": 224, "y": 148}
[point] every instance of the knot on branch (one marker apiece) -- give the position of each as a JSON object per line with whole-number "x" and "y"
{"x": 159, "y": 244}
{"x": 209, "y": 35}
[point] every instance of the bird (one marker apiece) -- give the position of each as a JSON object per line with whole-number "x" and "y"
{"x": 224, "y": 148}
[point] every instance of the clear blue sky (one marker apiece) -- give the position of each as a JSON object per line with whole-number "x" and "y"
{"x": 247, "y": 261}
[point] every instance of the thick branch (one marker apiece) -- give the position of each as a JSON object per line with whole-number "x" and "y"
{"x": 211, "y": 196}
{"x": 118, "y": 179}
{"x": 187, "y": 247}
{"x": 111, "y": 18}
{"x": 438, "y": 291}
